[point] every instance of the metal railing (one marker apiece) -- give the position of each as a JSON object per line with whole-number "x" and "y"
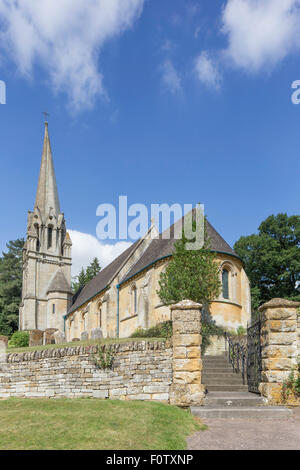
{"x": 237, "y": 355}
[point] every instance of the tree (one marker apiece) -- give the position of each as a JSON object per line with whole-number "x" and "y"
{"x": 191, "y": 274}
{"x": 272, "y": 259}
{"x": 86, "y": 275}
{"x": 11, "y": 286}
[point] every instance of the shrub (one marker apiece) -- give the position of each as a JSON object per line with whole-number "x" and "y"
{"x": 20, "y": 339}
{"x": 162, "y": 330}
{"x": 241, "y": 331}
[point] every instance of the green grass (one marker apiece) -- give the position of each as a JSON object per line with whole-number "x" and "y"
{"x": 64, "y": 424}
{"x": 81, "y": 343}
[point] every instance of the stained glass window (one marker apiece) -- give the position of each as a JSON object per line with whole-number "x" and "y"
{"x": 225, "y": 286}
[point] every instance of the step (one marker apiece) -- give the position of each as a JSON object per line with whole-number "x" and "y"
{"x": 261, "y": 412}
{"x": 222, "y": 375}
{"x": 223, "y": 381}
{"x": 226, "y": 388}
{"x": 216, "y": 364}
{"x": 232, "y": 399}
{"x": 213, "y": 370}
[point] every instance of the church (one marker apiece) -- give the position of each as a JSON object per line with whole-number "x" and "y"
{"x": 123, "y": 296}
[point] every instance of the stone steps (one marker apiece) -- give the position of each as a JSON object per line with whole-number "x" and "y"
{"x": 259, "y": 412}
{"x": 227, "y": 397}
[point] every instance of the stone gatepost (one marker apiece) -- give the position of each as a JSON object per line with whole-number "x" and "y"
{"x": 279, "y": 346}
{"x": 3, "y": 347}
{"x": 186, "y": 389}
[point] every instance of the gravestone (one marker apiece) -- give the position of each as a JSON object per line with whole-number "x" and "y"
{"x": 48, "y": 336}
{"x": 84, "y": 336}
{"x": 36, "y": 338}
{"x": 59, "y": 337}
{"x": 96, "y": 333}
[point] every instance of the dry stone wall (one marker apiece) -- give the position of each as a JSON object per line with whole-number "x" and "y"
{"x": 141, "y": 371}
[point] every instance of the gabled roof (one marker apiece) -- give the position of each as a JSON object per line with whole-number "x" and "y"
{"x": 102, "y": 280}
{"x": 157, "y": 249}
{"x": 162, "y": 248}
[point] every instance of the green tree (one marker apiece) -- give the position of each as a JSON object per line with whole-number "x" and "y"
{"x": 191, "y": 274}
{"x": 93, "y": 269}
{"x": 86, "y": 275}
{"x": 11, "y": 286}
{"x": 272, "y": 259}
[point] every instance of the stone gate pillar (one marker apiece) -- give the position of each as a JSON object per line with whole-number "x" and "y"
{"x": 3, "y": 347}
{"x": 279, "y": 346}
{"x": 186, "y": 389}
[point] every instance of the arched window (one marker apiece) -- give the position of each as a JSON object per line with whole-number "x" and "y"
{"x": 50, "y": 236}
{"x": 100, "y": 314}
{"x": 37, "y": 231}
{"x": 225, "y": 284}
{"x": 134, "y": 298}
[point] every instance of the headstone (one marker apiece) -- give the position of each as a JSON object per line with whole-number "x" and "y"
{"x": 59, "y": 337}
{"x": 36, "y": 338}
{"x": 84, "y": 336}
{"x": 3, "y": 347}
{"x": 96, "y": 333}
{"x": 48, "y": 336}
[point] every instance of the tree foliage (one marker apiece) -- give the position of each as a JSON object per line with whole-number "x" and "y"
{"x": 272, "y": 259}
{"x": 11, "y": 286}
{"x": 86, "y": 275}
{"x": 191, "y": 274}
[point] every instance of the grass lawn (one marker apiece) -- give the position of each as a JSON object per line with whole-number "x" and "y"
{"x": 60, "y": 424}
{"x": 82, "y": 343}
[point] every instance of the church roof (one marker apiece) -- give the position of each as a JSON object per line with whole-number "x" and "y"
{"x": 59, "y": 283}
{"x": 162, "y": 248}
{"x": 47, "y": 194}
{"x": 102, "y": 280}
{"x": 158, "y": 248}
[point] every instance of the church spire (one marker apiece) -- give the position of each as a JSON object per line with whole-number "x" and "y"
{"x": 47, "y": 194}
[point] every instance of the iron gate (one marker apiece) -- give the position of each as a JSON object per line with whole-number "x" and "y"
{"x": 254, "y": 357}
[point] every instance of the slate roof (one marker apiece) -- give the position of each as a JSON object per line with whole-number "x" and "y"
{"x": 158, "y": 248}
{"x": 102, "y": 280}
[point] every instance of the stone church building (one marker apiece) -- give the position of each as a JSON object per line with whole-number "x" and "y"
{"x": 123, "y": 296}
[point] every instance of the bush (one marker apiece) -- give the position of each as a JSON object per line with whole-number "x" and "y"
{"x": 20, "y": 339}
{"x": 241, "y": 331}
{"x": 162, "y": 330}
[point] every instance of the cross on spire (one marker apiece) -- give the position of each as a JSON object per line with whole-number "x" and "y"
{"x": 46, "y": 115}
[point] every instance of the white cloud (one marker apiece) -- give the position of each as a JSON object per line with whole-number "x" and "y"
{"x": 261, "y": 32}
{"x": 171, "y": 78}
{"x": 86, "y": 247}
{"x": 65, "y": 37}
{"x": 207, "y": 70}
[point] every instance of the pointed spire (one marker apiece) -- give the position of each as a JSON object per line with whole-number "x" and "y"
{"x": 47, "y": 195}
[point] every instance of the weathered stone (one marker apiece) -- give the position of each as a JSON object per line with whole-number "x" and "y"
{"x": 59, "y": 337}
{"x": 96, "y": 333}
{"x": 75, "y": 339}
{"x": 84, "y": 336}
{"x": 48, "y": 335}
{"x": 36, "y": 338}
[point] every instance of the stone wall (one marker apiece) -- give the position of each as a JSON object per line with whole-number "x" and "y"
{"x": 141, "y": 371}
{"x": 279, "y": 342}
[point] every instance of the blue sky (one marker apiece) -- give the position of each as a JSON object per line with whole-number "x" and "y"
{"x": 173, "y": 101}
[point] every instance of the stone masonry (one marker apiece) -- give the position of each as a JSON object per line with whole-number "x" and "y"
{"x": 141, "y": 371}
{"x": 279, "y": 340}
{"x": 186, "y": 389}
